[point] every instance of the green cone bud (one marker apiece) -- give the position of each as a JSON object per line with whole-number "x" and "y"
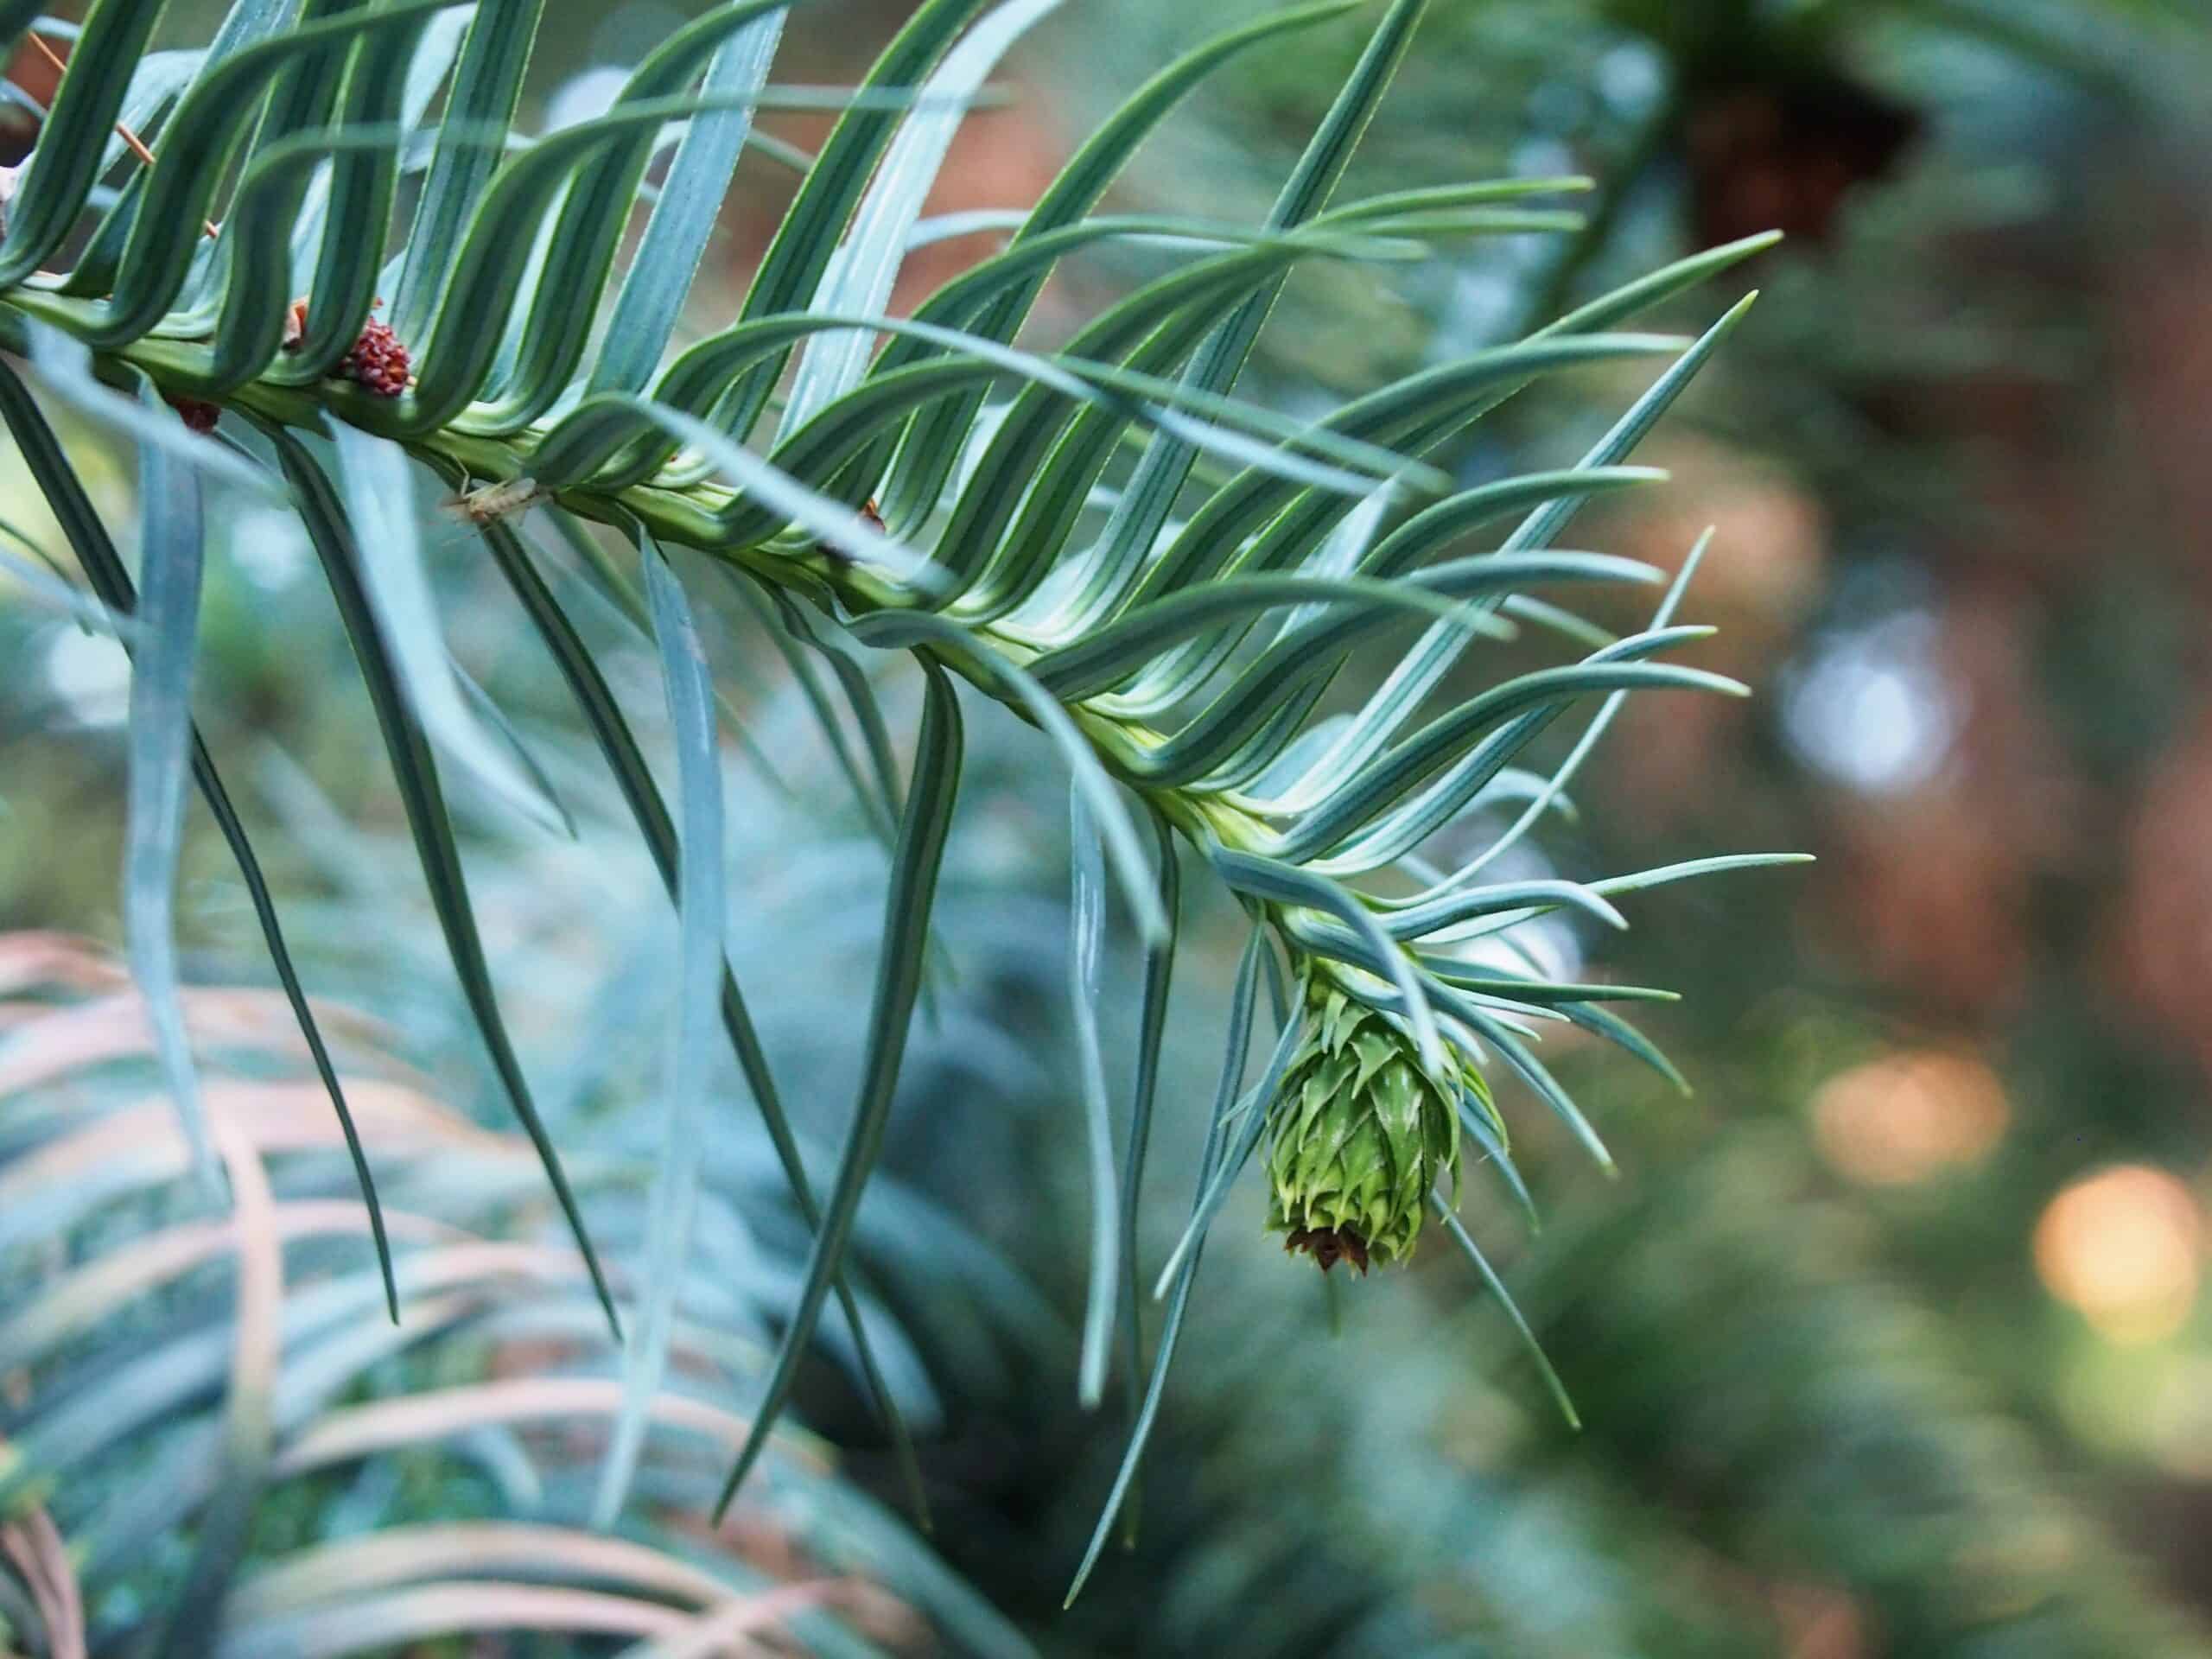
{"x": 1359, "y": 1132}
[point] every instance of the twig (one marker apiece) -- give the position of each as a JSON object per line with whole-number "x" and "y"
{"x": 137, "y": 145}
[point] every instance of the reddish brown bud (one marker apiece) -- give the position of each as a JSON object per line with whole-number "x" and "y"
{"x": 1329, "y": 1245}
{"x": 379, "y": 361}
{"x": 376, "y": 360}
{"x": 199, "y": 417}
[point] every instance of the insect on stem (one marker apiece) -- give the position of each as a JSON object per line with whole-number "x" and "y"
{"x": 131, "y": 140}
{"x": 491, "y": 502}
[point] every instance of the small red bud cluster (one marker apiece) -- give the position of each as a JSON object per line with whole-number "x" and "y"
{"x": 199, "y": 417}
{"x": 379, "y": 361}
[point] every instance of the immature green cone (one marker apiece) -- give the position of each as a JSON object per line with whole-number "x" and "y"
{"x": 1358, "y": 1134}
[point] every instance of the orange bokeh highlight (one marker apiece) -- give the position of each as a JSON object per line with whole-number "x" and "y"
{"x": 2123, "y": 1247}
{"x": 1907, "y": 1116}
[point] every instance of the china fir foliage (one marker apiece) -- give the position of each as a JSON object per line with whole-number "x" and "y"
{"x": 213, "y": 1444}
{"x": 319, "y": 291}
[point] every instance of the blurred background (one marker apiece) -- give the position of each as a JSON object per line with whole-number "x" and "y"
{"x": 1892, "y": 1339}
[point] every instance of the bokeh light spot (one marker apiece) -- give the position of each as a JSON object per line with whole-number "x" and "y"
{"x": 2121, "y": 1246}
{"x": 1905, "y": 1117}
{"x": 89, "y": 675}
{"x": 1872, "y": 709}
